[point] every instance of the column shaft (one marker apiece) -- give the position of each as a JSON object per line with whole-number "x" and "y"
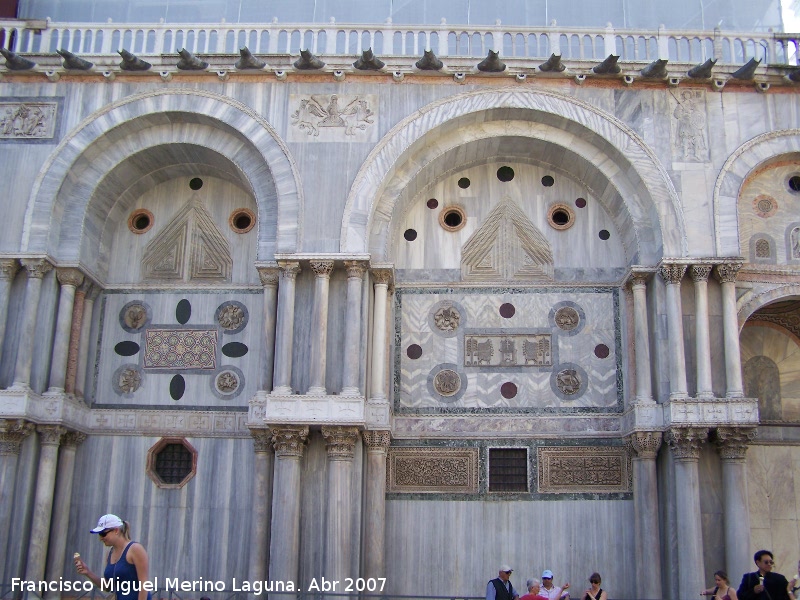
{"x": 644, "y": 388}
{"x": 284, "y": 333}
{"x": 377, "y": 443}
{"x": 262, "y": 504}
{"x": 269, "y": 280}
{"x": 33, "y": 290}
{"x": 85, "y": 337}
{"x": 645, "y": 508}
{"x": 730, "y": 328}
{"x": 69, "y": 279}
{"x": 378, "y": 379}
{"x": 75, "y": 339}
{"x": 12, "y": 433}
{"x": 8, "y": 269}
{"x": 352, "y": 332}
{"x": 672, "y": 275}
{"x": 702, "y": 336}
{"x": 339, "y": 529}
{"x": 319, "y": 326}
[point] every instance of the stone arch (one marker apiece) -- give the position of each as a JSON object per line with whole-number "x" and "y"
{"x": 241, "y": 138}
{"x": 743, "y": 161}
{"x": 753, "y": 300}
{"x": 616, "y": 153}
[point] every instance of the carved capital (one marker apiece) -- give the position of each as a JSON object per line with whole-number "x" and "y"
{"x": 262, "y": 440}
{"x": 321, "y": 268}
{"x": 36, "y": 267}
{"x": 672, "y": 274}
{"x": 268, "y": 276}
{"x": 341, "y": 441}
{"x": 289, "y": 270}
{"x": 50, "y": 435}
{"x": 8, "y": 268}
{"x": 68, "y": 276}
{"x": 289, "y": 440}
{"x": 639, "y": 279}
{"x": 93, "y": 292}
{"x": 645, "y": 443}
{"x": 377, "y": 440}
{"x": 383, "y": 276}
{"x": 726, "y": 272}
{"x": 687, "y": 441}
{"x": 73, "y": 439}
{"x": 700, "y": 272}
{"x": 12, "y": 432}
{"x": 732, "y": 442}
{"x": 355, "y": 269}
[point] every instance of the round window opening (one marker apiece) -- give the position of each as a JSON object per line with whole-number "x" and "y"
{"x": 794, "y": 183}
{"x": 560, "y": 216}
{"x": 242, "y": 220}
{"x": 452, "y": 218}
{"x": 196, "y": 183}
{"x": 140, "y": 221}
{"x": 505, "y": 174}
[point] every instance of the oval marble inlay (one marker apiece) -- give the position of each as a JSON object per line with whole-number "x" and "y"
{"x": 183, "y": 311}
{"x": 234, "y": 349}
{"x": 177, "y": 386}
{"x": 126, "y": 348}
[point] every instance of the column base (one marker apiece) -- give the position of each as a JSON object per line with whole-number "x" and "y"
{"x": 737, "y": 394}
{"x": 317, "y": 391}
{"x": 282, "y": 390}
{"x": 705, "y": 396}
{"x": 19, "y": 386}
{"x": 350, "y": 392}
{"x": 54, "y": 391}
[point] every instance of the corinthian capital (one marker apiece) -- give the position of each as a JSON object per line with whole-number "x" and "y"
{"x": 355, "y": 268}
{"x": 645, "y": 443}
{"x": 73, "y": 439}
{"x": 262, "y": 440}
{"x": 36, "y": 267}
{"x": 726, "y": 272}
{"x": 672, "y": 273}
{"x": 289, "y": 440}
{"x": 289, "y": 270}
{"x": 268, "y": 276}
{"x": 700, "y": 272}
{"x": 69, "y": 276}
{"x": 686, "y": 442}
{"x": 732, "y": 442}
{"x": 50, "y": 435}
{"x": 341, "y": 441}
{"x": 8, "y": 268}
{"x": 383, "y": 276}
{"x": 377, "y": 440}
{"x": 321, "y": 268}
{"x": 12, "y": 432}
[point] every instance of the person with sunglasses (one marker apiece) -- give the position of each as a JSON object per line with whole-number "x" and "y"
{"x": 764, "y": 584}
{"x": 127, "y": 566}
{"x": 500, "y": 587}
{"x": 595, "y": 592}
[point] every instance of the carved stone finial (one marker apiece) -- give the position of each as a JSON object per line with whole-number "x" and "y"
{"x": 321, "y": 268}
{"x": 645, "y": 443}
{"x": 702, "y": 71}
{"x": 8, "y": 268}
{"x": 289, "y": 270}
{"x": 553, "y": 64}
{"x": 248, "y": 61}
{"x": 69, "y": 276}
{"x": 377, "y": 440}
{"x": 268, "y": 276}
{"x": 14, "y": 62}
{"x": 50, "y": 435}
{"x": 686, "y": 442}
{"x": 747, "y": 71}
{"x": 289, "y": 440}
{"x": 429, "y": 62}
{"x": 700, "y": 272}
{"x": 189, "y": 62}
{"x": 341, "y": 441}
{"x": 12, "y": 432}
{"x": 732, "y": 442}
{"x": 355, "y": 268}
{"x": 608, "y": 67}
{"x": 369, "y": 62}
{"x": 131, "y": 62}
{"x": 36, "y": 267}
{"x": 492, "y": 63}
{"x": 262, "y": 440}
{"x": 672, "y": 273}
{"x": 656, "y": 69}
{"x": 726, "y": 272}
{"x": 72, "y": 61}
{"x": 308, "y": 61}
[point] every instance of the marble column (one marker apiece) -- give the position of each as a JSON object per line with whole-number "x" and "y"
{"x": 726, "y": 273}
{"x": 685, "y": 443}
{"x": 382, "y": 278}
{"x": 269, "y": 281}
{"x": 92, "y": 292}
{"x": 377, "y": 443}
{"x": 57, "y": 550}
{"x": 672, "y": 275}
{"x": 8, "y": 270}
{"x": 37, "y": 268}
{"x": 12, "y": 433}
{"x": 645, "y": 444}
{"x": 319, "y": 326}
{"x": 284, "y": 547}
{"x": 284, "y": 332}
{"x": 732, "y": 445}
{"x": 341, "y": 443}
{"x": 352, "y": 332}
{"x": 644, "y": 387}
{"x": 262, "y": 504}
{"x": 49, "y": 438}
{"x": 69, "y": 279}
{"x": 700, "y": 275}
{"x": 75, "y": 336}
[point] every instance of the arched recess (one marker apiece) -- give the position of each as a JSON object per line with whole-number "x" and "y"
{"x": 752, "y": 301}
{"x": 611, "y": 156}
{"x": 755, "y": 153}
{"x": 65, "y": 199}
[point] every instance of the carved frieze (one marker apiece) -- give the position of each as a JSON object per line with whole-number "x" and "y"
{"x": 334, "y": 117}
{"x": 524, "y": 350}
{"x": 690, "y": 135}
{"x": 432, "y": 470}
{"x": 28, "y": 120}
{"x": 583, "y": 469}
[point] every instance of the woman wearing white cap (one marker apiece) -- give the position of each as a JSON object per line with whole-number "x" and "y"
{"x": 126, "y": 566}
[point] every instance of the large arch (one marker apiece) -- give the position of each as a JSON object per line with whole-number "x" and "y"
{"x": 752, "y": 301}
{"x": 251, "y": 152}
{"x": 607, "y": 147}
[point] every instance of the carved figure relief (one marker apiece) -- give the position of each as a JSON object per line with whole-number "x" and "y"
{"x": 691, "y": 139}
{"x": 514, "y": 350}
{"x": 231, "y": 316}
{"x": 227, "y": 382}
{"x": 567, "y": 318}
{"x": 318, "y": 112}
{"x": 568, "y": 381}
{"x": 135, "y": 316}
{"x": 537, "y": 351}
{"x": 447, "y": 382}
{"x": 477, "y": 353}
{"x": 447, "y": 318}
{"x": 27, "y": 120}
{"x": 129, "y": 380}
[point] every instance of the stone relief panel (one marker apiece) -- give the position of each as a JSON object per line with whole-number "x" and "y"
{"x": 333, "y": 118}
{"x": 690, "y": 125}
{"x": 536, "y": 351}
{"x": 432, "y": 470}
{"x": 29, "y": 121}
{"x": 579, "y": 469}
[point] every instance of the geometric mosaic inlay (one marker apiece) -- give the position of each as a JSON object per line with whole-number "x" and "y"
{"x": 583, "y": 469}
{"x": 432, "y": 470}
{"x": 180, "y": 349}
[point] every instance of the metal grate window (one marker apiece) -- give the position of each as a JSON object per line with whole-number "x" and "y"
{"x": 173, "y": 463}
{"x": 508, "y": 469}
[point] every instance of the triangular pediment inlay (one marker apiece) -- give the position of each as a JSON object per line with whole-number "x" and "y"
{"x": 507, "y": 247}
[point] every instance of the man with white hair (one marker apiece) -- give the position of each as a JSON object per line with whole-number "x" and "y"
{"x": 500, "y": 587}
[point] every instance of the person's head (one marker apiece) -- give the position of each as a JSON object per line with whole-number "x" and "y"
{"x": 547, "y": 578}
{"x": 764, "y": 560}
{"x": 594, "y": 578}
{"x": 505, "y": 572}
{"x": 533, "y": 585}
{"x": 721, "y": 577}
{"x": 110, "y": 529}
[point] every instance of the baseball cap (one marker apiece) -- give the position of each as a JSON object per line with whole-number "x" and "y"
{"x": 547, "y": 574}
{"x": 505, "y": 568}
{"x": 107, "y": 522}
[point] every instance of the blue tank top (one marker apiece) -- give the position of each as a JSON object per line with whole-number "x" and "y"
{"x": 124, "y": 576}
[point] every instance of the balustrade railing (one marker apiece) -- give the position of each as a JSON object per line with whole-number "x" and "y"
{"x": 43, "y": 37}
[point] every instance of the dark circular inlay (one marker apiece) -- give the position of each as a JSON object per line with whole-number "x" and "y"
{"x": 177, "y": 386}
{"x": 580, "y": 202}
{"x": 463, "y": 183}
{"x": 508, "y": 390}
{"x": 547, "y": 181}
{"x": 414, "y": 351}
{"x": 141, "y": 222}
{"x": 601, "y": 351}
{"x": 126, "y": 348}
{"x": 242, "y": 221}
{"x": 196, "y": 183}
{"x": 234, "y": 349}
{"x": 794, "y": 183}
{"x": 505, "y": 173}
{"x": 432, "y": 203}
{"x": 183, "y": 311}
{"x": 452, "y": 218}
{"x": 604, "y": 234}
{"x": 410, "y": 235}
{"x": 560, "y": 217}
{"x": 507, "y": 310}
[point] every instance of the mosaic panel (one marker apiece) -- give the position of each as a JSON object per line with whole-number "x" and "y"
{"x": 180, "y": 349}
{"x": 577, "y": 469}
{"x": 432, "y": 470}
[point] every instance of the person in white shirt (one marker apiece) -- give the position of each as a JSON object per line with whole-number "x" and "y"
{"x": 551, "y": 591}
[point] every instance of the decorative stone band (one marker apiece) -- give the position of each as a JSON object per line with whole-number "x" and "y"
{"x": 576, "y": 469}
{"x": 8, "y": 268}
{"x": 732, "y": 442}
{"x": 645, "y": 443}
{"x": 73, "y": 439}
{"x": 289, "y": 270}
{"x": 432, "y": 470}
{"x": 726, "y": 272}
{"x": 36, "y": 267}
{"x": 341, "y": 441}
{"x": 700, "y": 272}
{"x": 289, "y": 440}
{"x": 321, "y": 268}
{"x": 12, "y": 432}
{"x": 687, "y": 441}
{"x": 355, "y": 268}
{"x": 268, "y": 276}
{"x": 714, "y": 412}
{"x": 377, "y": 441}
{"x": 262, "y": 440}
{"x": 671, "y": 273}
{"x": 50, "y": 435}
{"x": 69, "y": 276}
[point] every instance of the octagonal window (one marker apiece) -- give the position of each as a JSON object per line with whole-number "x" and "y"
{"x": 171, "y": 462}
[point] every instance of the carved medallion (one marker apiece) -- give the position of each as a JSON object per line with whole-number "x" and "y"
{"x": 227, "y": 382}
{"x": 765, "y": 206}
{"x": 568, "y": 381}
{"x": 567, "y": 318}
{"x": 129, "y": 380}
{"x": 447, "y": 318}
{"x": 447, "y": 382}
{"x": 231, "y": 316}
{"x": 135, "y": 316}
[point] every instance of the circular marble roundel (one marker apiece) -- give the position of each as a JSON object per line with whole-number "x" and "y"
{"x": 447, "y": 382}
